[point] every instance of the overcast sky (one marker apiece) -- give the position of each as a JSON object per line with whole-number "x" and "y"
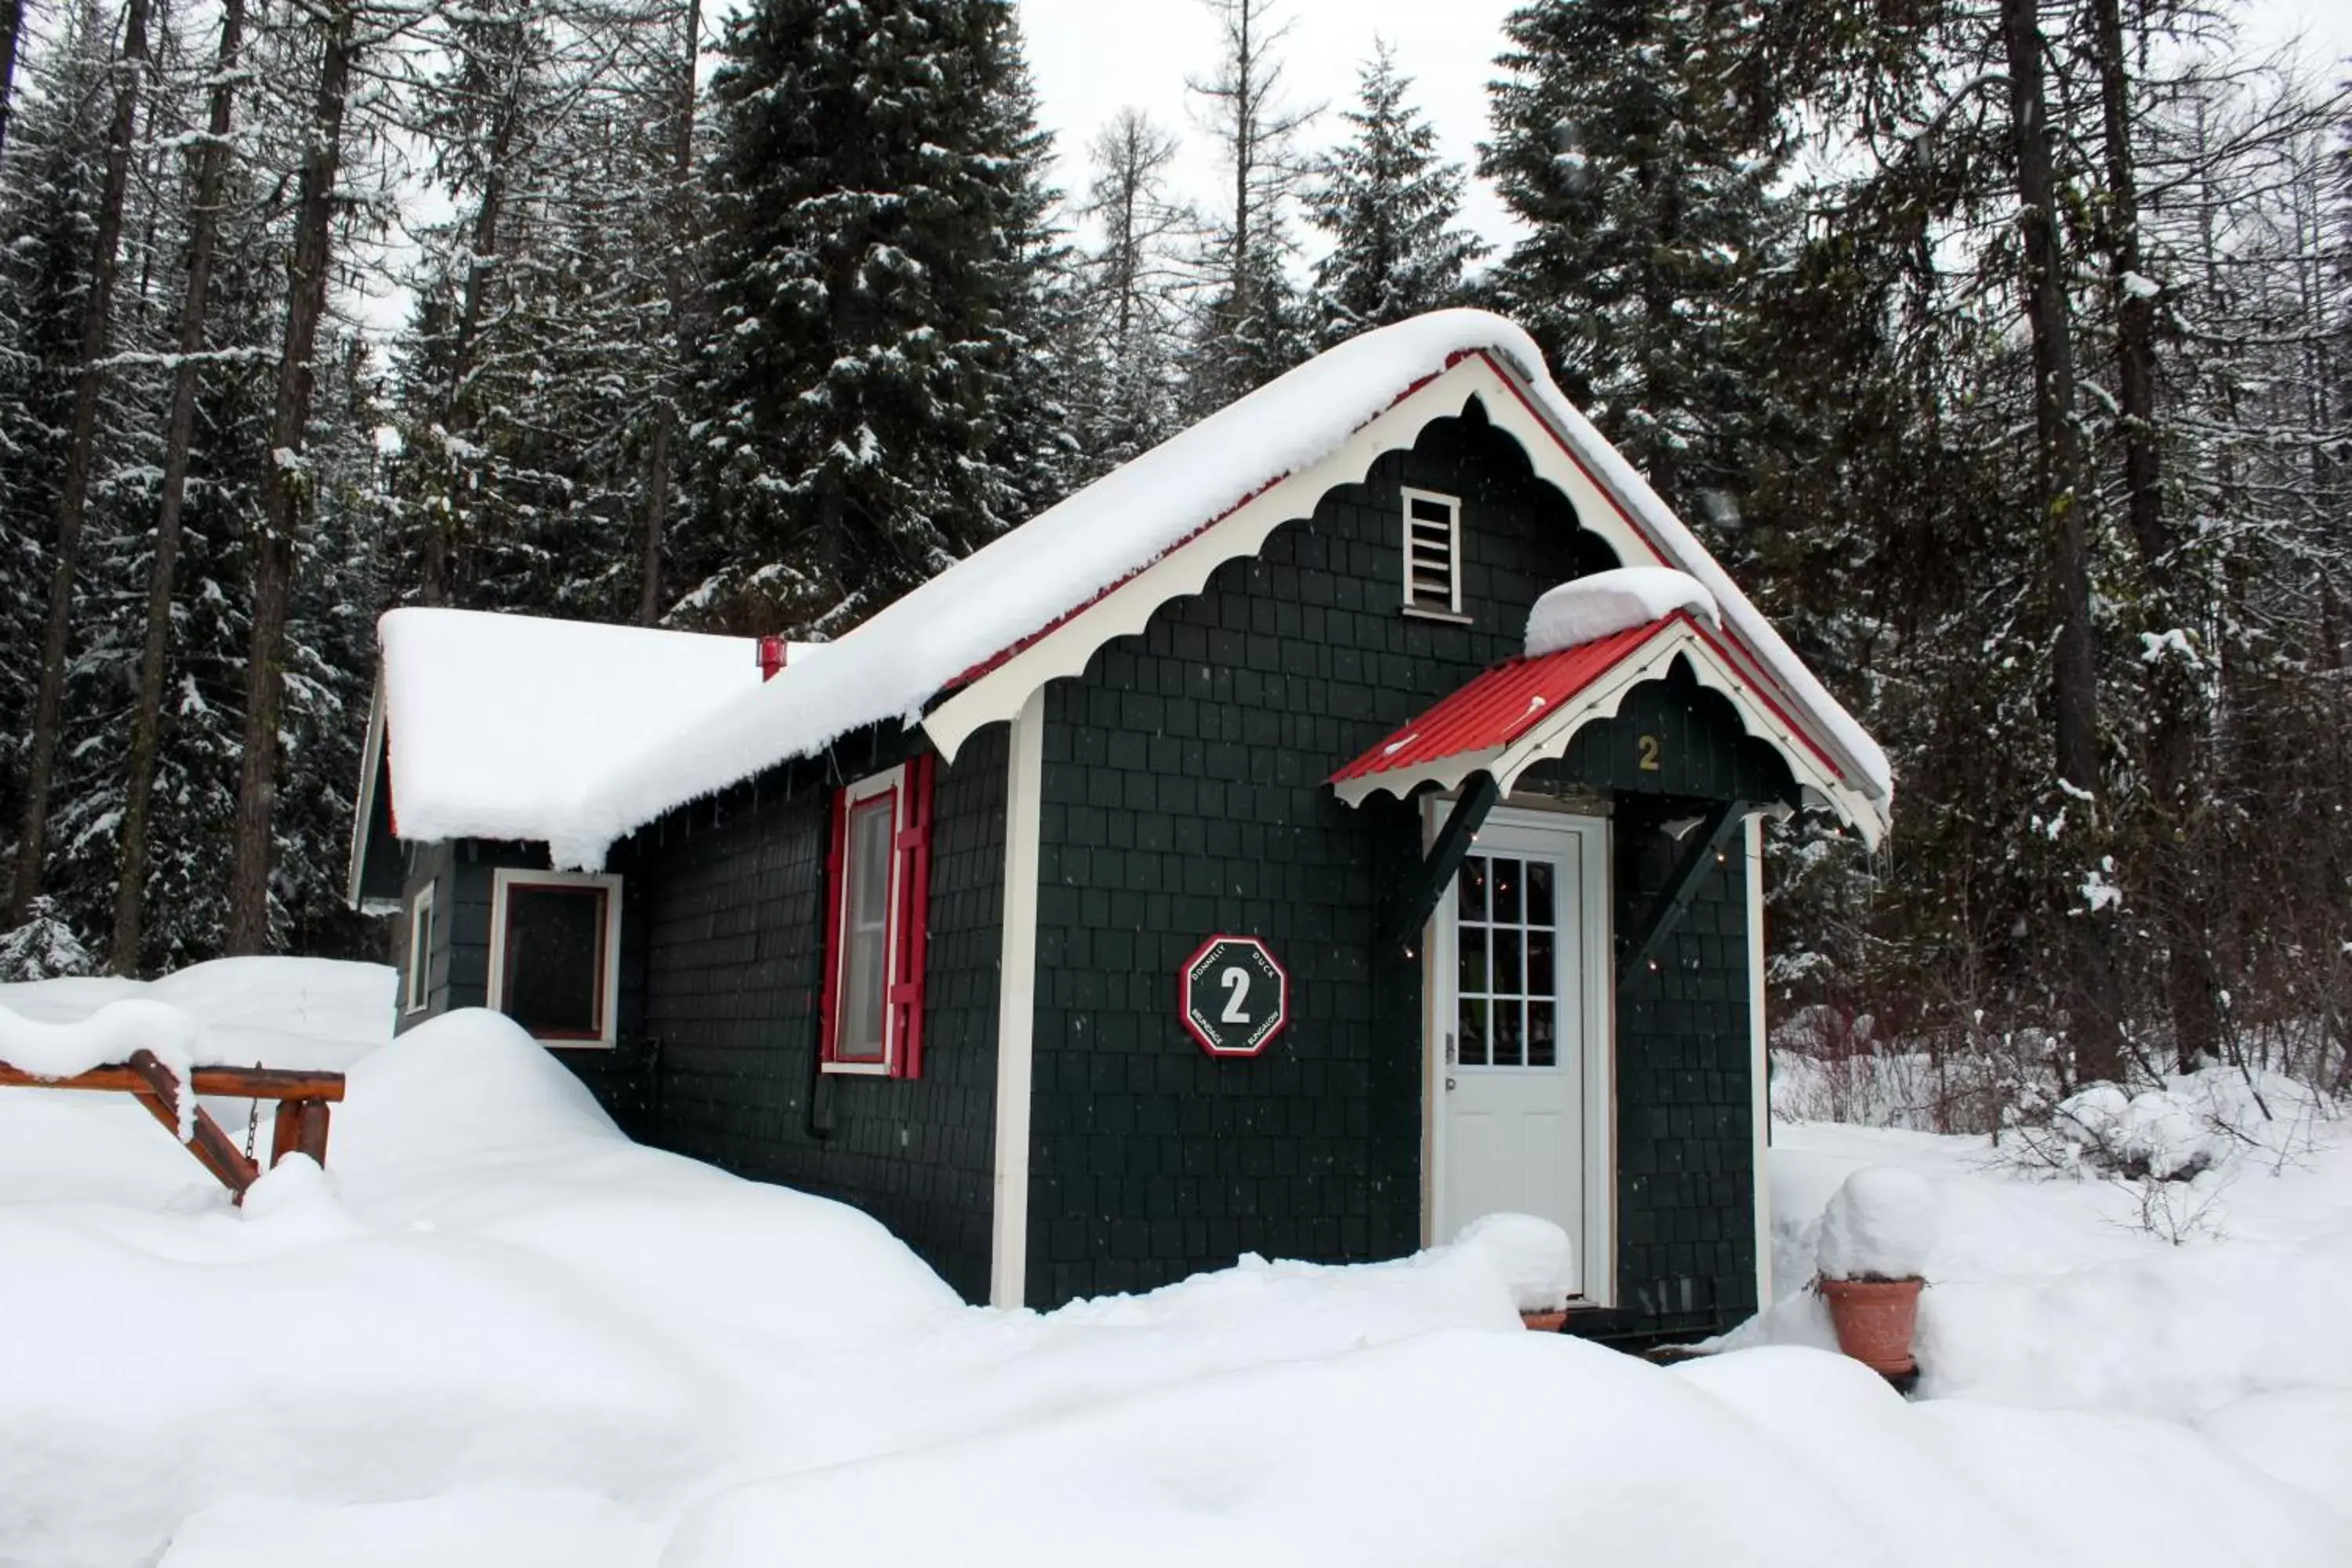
{"x": 1092, "y": 57}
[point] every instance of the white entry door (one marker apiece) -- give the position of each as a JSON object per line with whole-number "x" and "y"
{"x": 1521, "y": 1080}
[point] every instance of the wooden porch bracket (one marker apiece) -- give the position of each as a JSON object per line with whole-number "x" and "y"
{"x": 1665, "y": 915}
{"x": 1454, "y": 837}
{"x": 300, "y": 1126}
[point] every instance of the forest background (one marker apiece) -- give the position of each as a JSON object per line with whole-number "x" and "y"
{"x": 2003, "y": 348}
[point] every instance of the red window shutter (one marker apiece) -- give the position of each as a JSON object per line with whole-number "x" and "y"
{"x": 912, "y": 918}
{"x": 836, "y": 860}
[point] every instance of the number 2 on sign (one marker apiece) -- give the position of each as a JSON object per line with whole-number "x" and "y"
{"x": 1235, "y": 981}
{"x": 1651, "y": 749}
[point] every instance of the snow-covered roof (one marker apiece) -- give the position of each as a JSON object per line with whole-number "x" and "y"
{"x": 1605, "y": 603}
{"x": 1023, "y": 589}
{"x": 495, "y": 722}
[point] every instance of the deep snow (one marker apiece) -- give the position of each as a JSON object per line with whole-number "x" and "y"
{"x": 493, "y": 1331}
{"x": 494, "y": 720}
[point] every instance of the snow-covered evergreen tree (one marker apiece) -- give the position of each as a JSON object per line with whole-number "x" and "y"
{"x": 875, "y": 221}
{"x": 1622, "y": 140}
{"x": 49, "y": 178}
{"x": 1389, "y": 207}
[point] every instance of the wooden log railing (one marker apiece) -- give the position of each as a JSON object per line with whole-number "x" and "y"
{"x": 300, "y": 1126}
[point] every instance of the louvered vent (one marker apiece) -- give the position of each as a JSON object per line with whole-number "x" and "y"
{"x": 1432, "y": 554}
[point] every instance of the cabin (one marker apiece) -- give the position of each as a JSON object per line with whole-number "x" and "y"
{"x": 1340, "y": 823}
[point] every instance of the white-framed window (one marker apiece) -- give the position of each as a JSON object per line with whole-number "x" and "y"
{"x": 416, "y": 980}
{"x": 555, "y": 944}
{"x": 880, "y": 877}
{"x": 1433, "y": 555}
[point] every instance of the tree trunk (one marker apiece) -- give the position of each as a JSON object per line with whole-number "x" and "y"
{"x": 2058, "y": 475}
{"x": 2190, "y": 984}
{"x": 40, "y": 767}
{"x": 146, "y": 723}
{"x": 286, "y": 497}
{"x": 444, "y": 560}
{"x": 666, "y": 416}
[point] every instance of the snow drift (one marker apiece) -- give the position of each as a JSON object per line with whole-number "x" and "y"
{"x": 493, "y": 1332}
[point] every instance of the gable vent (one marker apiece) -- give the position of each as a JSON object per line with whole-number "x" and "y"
{"x": 1432, "y": 554}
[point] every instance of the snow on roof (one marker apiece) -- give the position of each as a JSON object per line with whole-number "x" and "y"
{"x": 1606, "y": 602}
{"x": 495, "y": 722}
{"x": 1026, "y": 581}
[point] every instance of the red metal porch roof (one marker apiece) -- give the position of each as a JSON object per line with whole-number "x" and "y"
{"x": 1500, "y": 705}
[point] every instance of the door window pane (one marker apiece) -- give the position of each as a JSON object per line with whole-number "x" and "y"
{"x": 1540, "y": 893}
{"x": 1543, "y": 1048}
{"x": 1470, "y": 1049}
{"x": 1510, "y": 973}
{"x": 1474, "y": 958}
{"x": 1507, "y": 1046}
{"x": 1539, "y": 963}
{"x": 1473, "y": 888}
{"x": 553, "y": 984}
{"x": 1506, "y": 889}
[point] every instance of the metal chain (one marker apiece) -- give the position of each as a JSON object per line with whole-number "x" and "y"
{"x": 252, "y": 1122}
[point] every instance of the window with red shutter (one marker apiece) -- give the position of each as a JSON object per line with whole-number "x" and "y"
{"x": 878, "y": 881}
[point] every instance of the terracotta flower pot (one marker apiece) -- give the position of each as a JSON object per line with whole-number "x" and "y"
{"x": 1544, "y": 1322}
{"x": 1874, "y": 1319}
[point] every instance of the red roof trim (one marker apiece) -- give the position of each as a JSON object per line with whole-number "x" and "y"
{"x": 1501, "y": 704}
{"x": 1763, "y": 691}
{"x": 1732, "y": 647}
{"x": 1014, "y": 649}
{"x": 1745, "y": 658}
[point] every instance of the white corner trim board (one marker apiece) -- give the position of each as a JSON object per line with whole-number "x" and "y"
{"x": 1759, "y": 1057}
{"x": 364, "y": 808}
{"x": 1016, "y": 1003}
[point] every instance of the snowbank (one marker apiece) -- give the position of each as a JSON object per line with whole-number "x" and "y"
{"x": 109, "y": 1035}
{"x": 495, "y": 1333}
{"x": 243, "y": 1011}
{"x": 1607, "y": 602}
{"x": 2066, "y": 1289}
{"x": 1512, "y": 1449}
{"x": 315, "y": 1013}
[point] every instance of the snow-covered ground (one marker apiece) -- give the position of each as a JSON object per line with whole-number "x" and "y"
{"x": 494, "y": 1332}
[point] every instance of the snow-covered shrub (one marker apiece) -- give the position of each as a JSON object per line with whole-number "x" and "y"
{"x": 43, "y": 948}
{"x": 2154, "y": 1133}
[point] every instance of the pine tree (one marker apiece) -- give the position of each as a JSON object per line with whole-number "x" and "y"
{"x": 49, "y": 182}
{"x": 81, "y": 461}
{"x": 1626, "y": 140}
{"x": 1389, "y": 207}
{"x": 206, "y": 193}
{"x": 869, "y": 268}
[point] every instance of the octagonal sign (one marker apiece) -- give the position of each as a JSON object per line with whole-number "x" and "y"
{"x": 1236, "y": 997}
